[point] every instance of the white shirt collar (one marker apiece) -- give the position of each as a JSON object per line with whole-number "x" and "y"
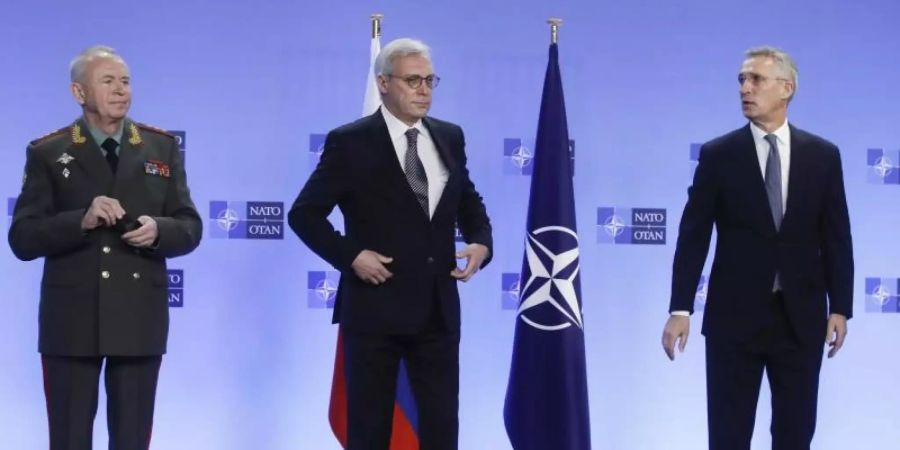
{"x": 397, "y": 128}
{"x": 782, "y": 133}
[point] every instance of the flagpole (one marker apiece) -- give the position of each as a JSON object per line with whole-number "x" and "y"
{"x": 372, "y": 98}
{"x": 376, "y": 24}
{"x": 554, "y": 22}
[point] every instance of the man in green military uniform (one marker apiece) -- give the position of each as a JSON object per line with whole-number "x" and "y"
{"x": 104, "y": 201}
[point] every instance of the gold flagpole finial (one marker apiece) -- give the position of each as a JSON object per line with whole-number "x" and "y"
{"x": 376, "y": 24}
{"x": 554, "y": 22}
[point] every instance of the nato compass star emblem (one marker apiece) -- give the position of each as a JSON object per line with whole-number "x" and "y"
{"x": 227, "y": 219}
{"x": 883, "y": 166}
{"x": 521, "y": 156}
{"x": 881, "y": 295}
{"x": 550, "y": 296}
{"x": 65, "y": 158}
{"x": 326, "y": 290}
{"x": 614, "y": 225}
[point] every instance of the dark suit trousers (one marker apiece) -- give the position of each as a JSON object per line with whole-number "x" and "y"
{"x": 71, "y": 389}
{"x": 432, "y": 363}
{"x": 733, "y": 377}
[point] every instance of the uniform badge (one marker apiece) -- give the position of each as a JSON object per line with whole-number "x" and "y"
{"x": 158, "y": 168}
{"x": 135, "y": 136}
{"x": 65, "y": 159}
{"x": 77, "y": 137}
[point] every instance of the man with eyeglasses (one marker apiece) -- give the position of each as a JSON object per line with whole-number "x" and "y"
{"x": 782, "y": 277}
{"x": 400, "y": 179}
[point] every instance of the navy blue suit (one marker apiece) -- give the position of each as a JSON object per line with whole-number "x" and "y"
{"x": 414, "y": 315}
{"x": 747, "y": 327}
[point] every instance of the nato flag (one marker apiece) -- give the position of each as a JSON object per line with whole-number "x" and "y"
{"x": 547, "y": 397}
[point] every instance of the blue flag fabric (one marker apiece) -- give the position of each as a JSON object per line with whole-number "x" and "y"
{"x": 547, "y": 397}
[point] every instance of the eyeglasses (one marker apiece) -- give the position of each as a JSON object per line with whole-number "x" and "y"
{"x": 755, "y": 78}
{"x": 415, "y": 81}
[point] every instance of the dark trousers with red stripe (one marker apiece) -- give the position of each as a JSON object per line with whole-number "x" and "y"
{"x": 71, "y": 388}
{"x": 432, "y": 363}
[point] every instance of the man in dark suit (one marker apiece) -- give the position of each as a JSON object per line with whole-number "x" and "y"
{"x": 401, "y": 182}
{"x": 782, "y": 277}
{"x": 104, "y": 202}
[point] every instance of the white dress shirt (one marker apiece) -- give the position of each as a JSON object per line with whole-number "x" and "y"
{"x": 434, "y": 168}
{"x": 783, "y": 137}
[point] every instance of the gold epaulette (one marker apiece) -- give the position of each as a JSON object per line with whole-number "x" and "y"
{"x": 50, "y": 135}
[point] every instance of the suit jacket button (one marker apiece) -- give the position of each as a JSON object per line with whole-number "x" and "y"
{"x": 430, "y": 260}
{"x": 136, "y": 276}
{"x": 106, "y": 249}
{"x": 104, "y": 274}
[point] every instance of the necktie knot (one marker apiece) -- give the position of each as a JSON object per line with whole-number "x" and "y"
{"x": 110, "y": 145}
{"x": 772, "y": 140}
{"x": 412, "y": 135}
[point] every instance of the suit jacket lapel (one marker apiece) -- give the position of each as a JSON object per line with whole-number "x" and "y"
{"x": 89, "y": 157}
{"x": 386, "y": 152}
{"x": 443, "y": 149}
{"x": 440, "y": 143}
{"x": 759, "y": 198}
{"x": 795, "y": 173}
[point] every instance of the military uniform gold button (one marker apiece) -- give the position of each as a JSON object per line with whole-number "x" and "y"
{"x": 104, "y": 274}
{"x": 136, "y": 276}
{"x": 106, "y": 249}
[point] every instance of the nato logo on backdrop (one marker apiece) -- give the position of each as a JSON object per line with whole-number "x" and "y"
{"x": 882, "y": 295}
{"x": 883, "y": 166}
{"x": 316, "y": 147}
{"x": 518, "y": 156}
{"x": 176, "y": 287}
{"x": 321, "y": 288}
{"x": 509, "y": 290}
{"x": 246, "y": 220}
{"x": 181, "y": 138}
{"x": 700, "y": 297}
{"x": 638, "y": 226}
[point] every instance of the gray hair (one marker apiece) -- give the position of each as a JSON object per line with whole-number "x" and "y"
{"x": 384, "y": 63}
{"x": 80, "y": 62}
{"x": 782, "y": 60}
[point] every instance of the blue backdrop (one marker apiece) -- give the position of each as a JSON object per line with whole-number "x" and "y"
{"x": 253, "y": 85}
